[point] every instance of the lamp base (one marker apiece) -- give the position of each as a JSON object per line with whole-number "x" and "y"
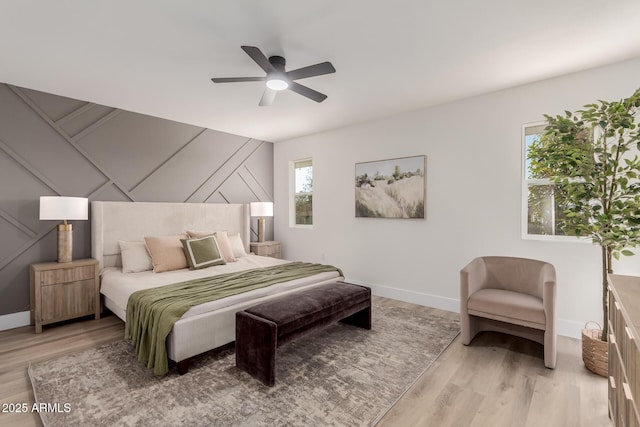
{"x": 65, "y": 242}
{"x": 260, "y": 230}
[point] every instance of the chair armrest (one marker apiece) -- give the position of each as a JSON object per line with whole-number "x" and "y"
{"x": 548, "y": 281}
{"x": 472, "y": 279}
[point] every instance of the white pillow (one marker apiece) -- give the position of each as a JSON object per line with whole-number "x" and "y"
{"x": 135, "y": 257}
{"x": 237, "y": 246}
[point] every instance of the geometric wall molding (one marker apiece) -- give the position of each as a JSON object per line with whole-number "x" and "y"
{"x": 53, "y": 145}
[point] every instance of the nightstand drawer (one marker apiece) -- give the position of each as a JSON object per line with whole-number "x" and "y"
{"x": 68, "y": 300}
{"x": 65, "y": 275}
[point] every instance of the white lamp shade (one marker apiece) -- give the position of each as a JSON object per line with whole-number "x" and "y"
{"x": 261, "y": 209}
{"x": 63, "y": 208}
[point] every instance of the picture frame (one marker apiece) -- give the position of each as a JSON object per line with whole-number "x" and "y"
{"x": 391, "y": 188}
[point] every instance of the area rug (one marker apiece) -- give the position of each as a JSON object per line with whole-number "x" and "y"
{"x": 341, "y": 376}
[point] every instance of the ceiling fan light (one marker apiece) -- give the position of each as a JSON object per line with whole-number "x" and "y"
{"x": 277, "y": 83}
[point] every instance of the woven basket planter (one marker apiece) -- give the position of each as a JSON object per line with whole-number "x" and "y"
{"x": 595, "y": 352}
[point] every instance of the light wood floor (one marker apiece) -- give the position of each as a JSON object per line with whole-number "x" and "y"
{"x": 498, "y": 380}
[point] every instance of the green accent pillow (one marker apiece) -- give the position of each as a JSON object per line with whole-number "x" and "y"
{"x": 202, "y": 252}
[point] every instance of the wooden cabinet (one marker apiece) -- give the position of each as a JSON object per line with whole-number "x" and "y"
{"x": 624, "y": 350}
{"x": 270, "y": 248}
{"x": 62, "y": 291}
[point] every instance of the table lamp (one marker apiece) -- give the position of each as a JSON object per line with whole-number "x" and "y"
{"x": 261, "y": 209}
{"x": 64, "y": 208}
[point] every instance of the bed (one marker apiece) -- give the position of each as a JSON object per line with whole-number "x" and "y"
{"x": 203, "y": 327}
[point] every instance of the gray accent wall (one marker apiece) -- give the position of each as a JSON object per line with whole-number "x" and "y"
{"x": 51, "y": 145}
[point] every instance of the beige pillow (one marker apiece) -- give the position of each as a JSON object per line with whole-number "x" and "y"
{"x": 221, "y": 238}
{"x": 199, "y": 234}
{"x": 166, "y": 252}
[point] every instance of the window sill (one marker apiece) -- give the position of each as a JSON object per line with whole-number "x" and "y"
{"x": 561, "y": 239}
{"x": 303, "y": 226}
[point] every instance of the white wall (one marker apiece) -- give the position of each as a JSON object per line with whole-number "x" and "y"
{"x": 473, "y": 150}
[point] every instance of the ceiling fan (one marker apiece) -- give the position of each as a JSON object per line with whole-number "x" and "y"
{"x": 278, "y": 79}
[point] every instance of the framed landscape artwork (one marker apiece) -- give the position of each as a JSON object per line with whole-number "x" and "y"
{"x": 393, "y": 188}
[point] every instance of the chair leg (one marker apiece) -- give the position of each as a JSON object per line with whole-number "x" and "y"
{"x": 550, "y": 350}
{"x": 468, "y": 328}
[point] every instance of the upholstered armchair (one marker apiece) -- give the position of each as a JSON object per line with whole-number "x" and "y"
{"x": 515, "y": 296}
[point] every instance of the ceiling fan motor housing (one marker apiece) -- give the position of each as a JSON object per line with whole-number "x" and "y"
{"x": 278, "y": 62}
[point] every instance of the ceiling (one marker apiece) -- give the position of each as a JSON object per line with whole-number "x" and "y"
{"x": 157, "y": 56}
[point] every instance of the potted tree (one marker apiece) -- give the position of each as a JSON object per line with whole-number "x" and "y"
{"x": 592, "y": 157}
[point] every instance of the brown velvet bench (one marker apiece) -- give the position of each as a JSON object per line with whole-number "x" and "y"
{"x": 263, "y": 328}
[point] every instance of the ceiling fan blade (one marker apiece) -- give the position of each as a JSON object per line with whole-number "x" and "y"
{"x": 268, "y": 97}
{"x": 308, "y": 92}
{"x": 258, "y": 57}
{"x": 236, "y": 79}
{"x": 311, "y": 71}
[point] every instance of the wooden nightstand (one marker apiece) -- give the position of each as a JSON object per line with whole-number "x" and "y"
{"x": 62, "y": 291}
{"x": 270, "y": 248}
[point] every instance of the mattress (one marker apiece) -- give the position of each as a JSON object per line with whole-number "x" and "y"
{"x": 117, "y": 286}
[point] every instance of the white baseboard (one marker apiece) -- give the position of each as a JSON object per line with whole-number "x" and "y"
{"x": 569, "y": 328}
{"x": 15, "y": 320}
{"x": 564, "y": 327}
{"x": 428, "y": 300}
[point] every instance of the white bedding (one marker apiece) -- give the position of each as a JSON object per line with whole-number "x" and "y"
{"x": 117, "y": 286}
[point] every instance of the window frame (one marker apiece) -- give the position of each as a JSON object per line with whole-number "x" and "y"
{"x": 293, "y": 194}
{"x": 526, "y": 183}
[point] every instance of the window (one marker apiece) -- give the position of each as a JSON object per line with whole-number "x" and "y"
{"x": 302, "y": 206}
{"x": 543, "y": 201}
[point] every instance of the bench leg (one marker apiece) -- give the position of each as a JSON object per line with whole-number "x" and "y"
{"x": 256, "y": 342}
{"x": 361, "y": 319}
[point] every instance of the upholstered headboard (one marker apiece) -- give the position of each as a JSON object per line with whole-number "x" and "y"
{"x": 113, "y": 221}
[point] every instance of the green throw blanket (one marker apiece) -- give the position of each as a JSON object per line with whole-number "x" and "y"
{"x": 151, "y": 313}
